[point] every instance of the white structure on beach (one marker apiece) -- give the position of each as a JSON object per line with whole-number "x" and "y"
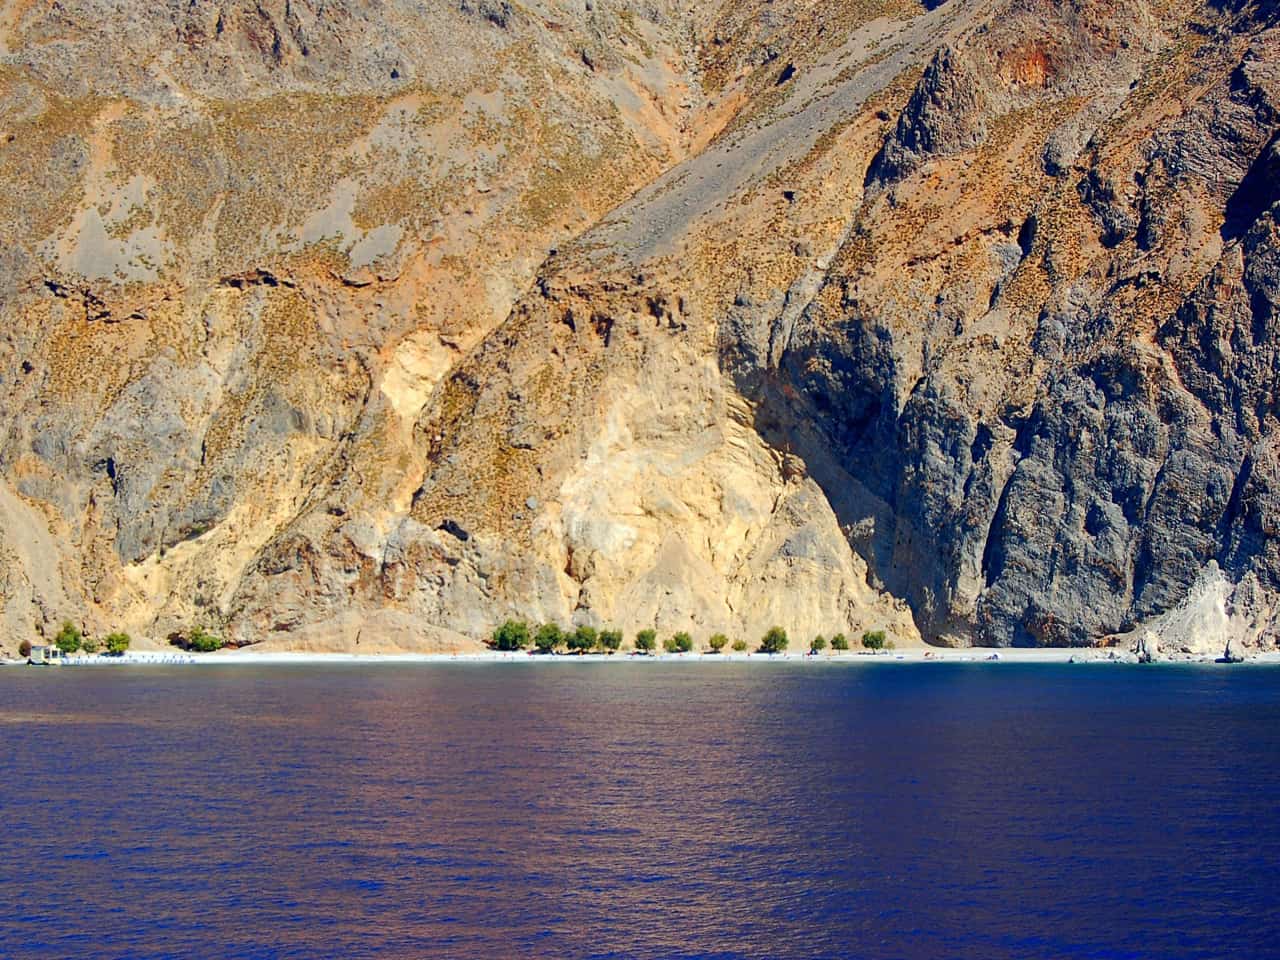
{"x": 45, "y": 654}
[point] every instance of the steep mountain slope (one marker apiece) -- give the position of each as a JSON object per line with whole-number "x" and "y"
{"x": 337, "y": 324}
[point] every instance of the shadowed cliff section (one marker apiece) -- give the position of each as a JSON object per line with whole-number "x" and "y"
{"x": 1064, "y": 457}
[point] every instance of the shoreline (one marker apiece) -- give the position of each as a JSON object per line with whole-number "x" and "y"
{"x": 916, "y": 655}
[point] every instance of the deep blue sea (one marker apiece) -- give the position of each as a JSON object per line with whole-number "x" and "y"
{"x": 640, "y": 811}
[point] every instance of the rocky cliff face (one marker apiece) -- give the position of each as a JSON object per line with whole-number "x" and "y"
{"x": 375, "y": 324}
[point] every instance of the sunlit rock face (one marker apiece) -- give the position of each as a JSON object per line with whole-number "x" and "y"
{"x": 369, "y": 326}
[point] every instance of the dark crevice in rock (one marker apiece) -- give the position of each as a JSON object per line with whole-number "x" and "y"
{"x": 1257, "y": 193}
{"x": 255, "y": 278}
{"x": 993, "y": 554}
{"x": 603, "y": 326}
{"x": 1027, "y": 235}
{"x": 95, "y": 308}
{"x": 983, "y": 440}
{"x": 455, "y": 530}
{"x": 107, "y": 465}
{"x": 1231, "y": 515}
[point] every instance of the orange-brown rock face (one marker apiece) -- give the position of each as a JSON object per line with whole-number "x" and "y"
{"x": 331, "y": 325}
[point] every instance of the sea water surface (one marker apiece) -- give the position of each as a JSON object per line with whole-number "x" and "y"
{"x": 640, "y": 811}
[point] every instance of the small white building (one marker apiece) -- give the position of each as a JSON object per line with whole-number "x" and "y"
{"x": 46, "y": 654}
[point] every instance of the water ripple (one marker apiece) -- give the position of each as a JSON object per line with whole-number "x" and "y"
{"x": 604, "y": 813}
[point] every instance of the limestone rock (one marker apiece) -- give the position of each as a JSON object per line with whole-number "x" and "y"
{"x": 1147, "y": 649}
